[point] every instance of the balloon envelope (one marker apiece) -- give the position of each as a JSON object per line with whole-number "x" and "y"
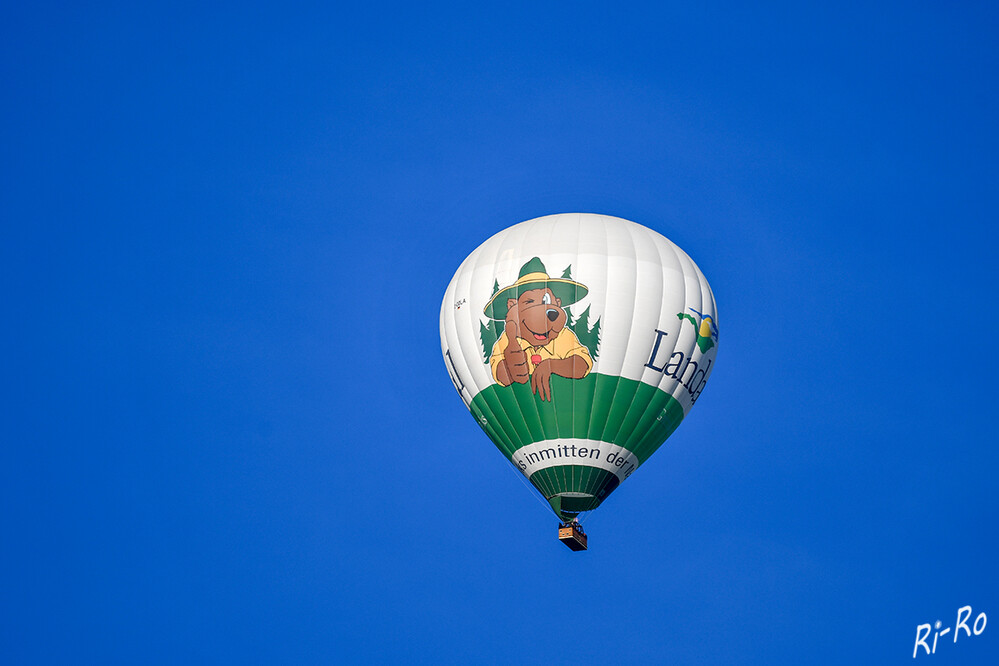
{"x": 578, "y": 342}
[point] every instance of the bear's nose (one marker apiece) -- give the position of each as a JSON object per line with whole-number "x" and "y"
{"x": 552, "y": 315}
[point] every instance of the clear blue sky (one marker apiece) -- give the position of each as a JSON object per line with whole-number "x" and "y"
{"x": 229, "y": 437}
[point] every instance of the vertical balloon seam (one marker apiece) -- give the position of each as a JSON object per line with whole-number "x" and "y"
{"x": 690, "y": 278}
{"x": 498, "y": 415}
{"x": 584, "y": 472}
{"x": 617, "y": 435}
{"x": 454, "y": 341}
{"x": 527, "y": 408}
{"x": 621, "y": 385}
{"x": 546, "y": 434}
{"x": 706, "y": 295}
{"x": 623, "y": 400}
{"x": 714, "y": 313}
{"x": 636, "y": 437}
{"x": 595, "y": 477}
{"x": 593, "y": 396}
{"x": 566, "y": 482}
{"x": 669, "y": 264}
{"x": 605, "y": 435}
{"x": 704, "y": 289}
{"x": 590, "y": 424}
{"x": 529, "y": 227}
{"x": 570, "y": 482}
{"x": 498, "y": 421}
{"x": 655, "y": 241}
{"x": 581, "y": 485}
{"x": 526, "y": 429}
{"x": 689, "y": 273}
{"x": 467, "y": 274}
{"x": 568, "y": 474}
{"x": 631, "y": 440}
{"x": 494, "y": 423}
{"x": 587, "y": 480}
{"x": 514, "y": 243}
{"x": 446, "y": 342}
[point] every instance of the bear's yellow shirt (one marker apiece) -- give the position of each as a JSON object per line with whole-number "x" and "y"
{"x": 564, "y": 345}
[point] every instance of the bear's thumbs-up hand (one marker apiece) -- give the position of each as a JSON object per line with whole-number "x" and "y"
{"x": 514, "y": 357}
{"x": 512, "y": 329}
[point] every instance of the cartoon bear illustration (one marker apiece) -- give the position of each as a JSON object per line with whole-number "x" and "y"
{"x": 536, "y": 343}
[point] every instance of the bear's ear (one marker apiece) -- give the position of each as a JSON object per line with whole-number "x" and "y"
{"x": 510, "y": 302}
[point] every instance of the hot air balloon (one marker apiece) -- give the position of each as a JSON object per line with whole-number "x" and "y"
{"x": 578, "y": 342}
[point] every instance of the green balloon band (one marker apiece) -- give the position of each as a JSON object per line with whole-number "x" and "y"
{"x": 611, "y": 425}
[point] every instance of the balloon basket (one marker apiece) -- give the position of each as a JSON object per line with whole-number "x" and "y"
{"x": 572, "y": 535}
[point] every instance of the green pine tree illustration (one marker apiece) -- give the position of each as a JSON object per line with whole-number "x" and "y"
{"x": 595, "y": 339}
{"x": 581, "y": 326}
{"x": 588, "y": 336}
{"x": 567, "y": 275}
{"x": 490, "y": 332}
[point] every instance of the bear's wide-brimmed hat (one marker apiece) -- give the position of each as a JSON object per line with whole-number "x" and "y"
{"x": 533, "y": 275}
